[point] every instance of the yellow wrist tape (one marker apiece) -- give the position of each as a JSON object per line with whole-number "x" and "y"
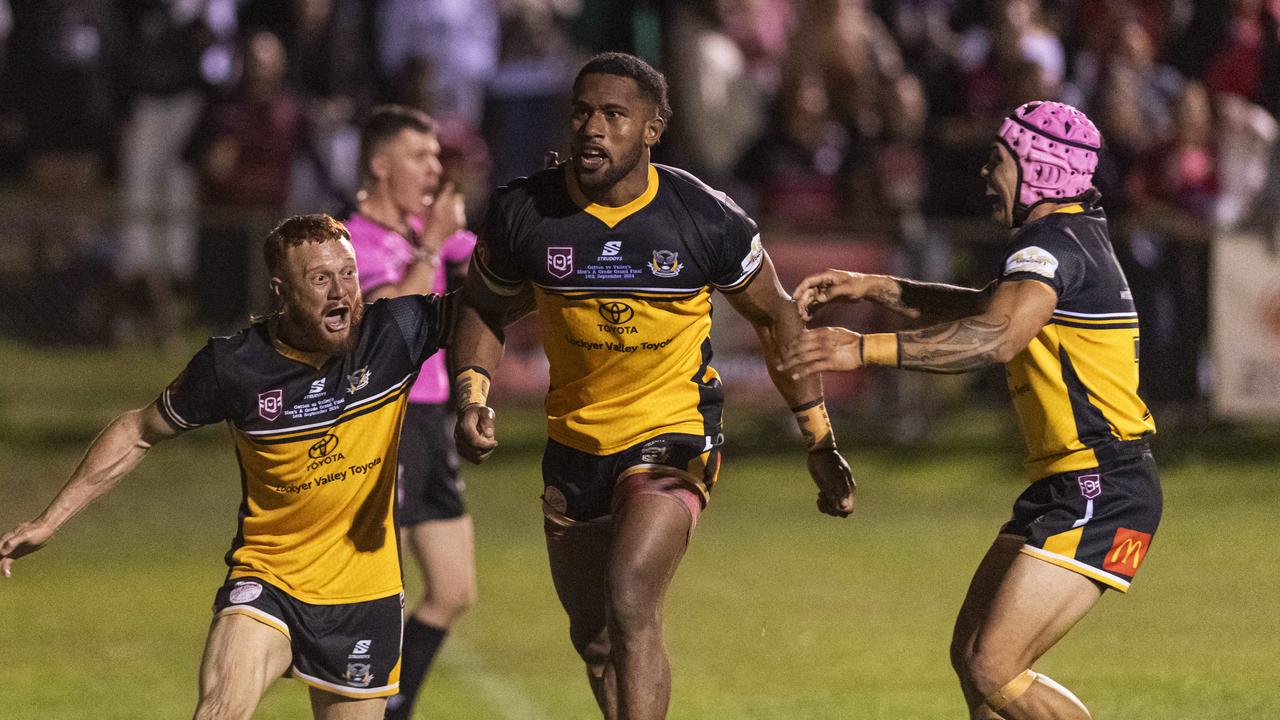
{"x": 471, "y": 387}
{"x": 1012, "y": 690}
{"x": 880, "y": 349}
{"x": 815, "y": 425}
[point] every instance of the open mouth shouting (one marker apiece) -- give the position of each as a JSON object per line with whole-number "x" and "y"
{"x": 337, "y": 319}
{"x": 591, "y": 157}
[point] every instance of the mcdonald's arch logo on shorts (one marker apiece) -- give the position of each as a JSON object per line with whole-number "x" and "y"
{"x": 1127, "y": 552}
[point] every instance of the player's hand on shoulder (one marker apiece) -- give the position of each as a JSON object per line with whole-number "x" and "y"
{"x": 474, "y": 433}
{"x": 821, "y": 350}
{"x": 448, "y": 216}
{"x": 22, "y": 540}
{"x": 832, "y": 286}
{"x": 837, "y": 490}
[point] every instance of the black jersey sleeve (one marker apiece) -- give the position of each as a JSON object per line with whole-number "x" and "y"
{"x": 1046, "y": 254}
{"x": 194, "y": 398}
{"x": 425, "y": 322}
{"x": 494, "y": 259}
{"x": 740, "y": 253}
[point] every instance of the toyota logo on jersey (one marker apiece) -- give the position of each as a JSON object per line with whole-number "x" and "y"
{"x": 616, "y": 313}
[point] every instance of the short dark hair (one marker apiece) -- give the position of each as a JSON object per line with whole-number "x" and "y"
{"x": 296, "y": 231}
{"x": 653, "y": 84}
{"x": 384, "y": 123}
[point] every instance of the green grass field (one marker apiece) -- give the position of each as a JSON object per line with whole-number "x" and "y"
{"x": 777, "y": 612}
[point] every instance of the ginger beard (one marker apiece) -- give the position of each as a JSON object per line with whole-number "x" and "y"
{"x": 322, "y": 306}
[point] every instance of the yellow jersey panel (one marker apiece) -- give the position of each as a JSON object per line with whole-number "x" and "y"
{"x": 1075, "y": 386}
{"x": 624, "y": 299}
{"x": 317, "y": 442}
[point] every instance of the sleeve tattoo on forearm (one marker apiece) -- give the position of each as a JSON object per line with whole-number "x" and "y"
{"x": 955, "y": 347}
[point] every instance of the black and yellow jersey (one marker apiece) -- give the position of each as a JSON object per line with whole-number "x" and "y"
{"x": 316, "y": 439}
{"x": 1075, "y": 387}
{"x": 624, "y": 299}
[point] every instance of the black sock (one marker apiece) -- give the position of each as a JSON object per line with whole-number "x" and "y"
{"x": 421, "y": 641}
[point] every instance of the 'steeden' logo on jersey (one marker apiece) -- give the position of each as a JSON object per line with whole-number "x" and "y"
{"x": 316, "y": 390}
{"x": 322, "y": 447}
{"x": 616, "y": 313}
{"x": 359, "y": 674}
{"x": 612, "y": 248}
{"x": 560, "y": 261}
{"x": 245, "y": 591}
{"x": 357, "y": 380}
{"x": 1090, "y": 486}
{"x": 1035, "y": 260}
{"x": 361, "y": 649}
{"x": 665, "y": 263}
{"x": 1127, "y": 551}
{"x": 270, "y": 404}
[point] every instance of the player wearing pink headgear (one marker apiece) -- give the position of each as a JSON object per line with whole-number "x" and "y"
{"x": 1061, "y": 319}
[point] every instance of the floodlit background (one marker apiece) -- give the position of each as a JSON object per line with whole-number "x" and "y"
{"x": 147, "y": 146}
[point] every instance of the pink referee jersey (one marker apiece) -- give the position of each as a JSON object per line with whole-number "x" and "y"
{"x": 383, "y": 256}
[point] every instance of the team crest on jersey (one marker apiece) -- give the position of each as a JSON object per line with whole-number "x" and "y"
{"x": 359, "y": 674}
{"x": 655, "y": 451}
{"x": 560, "y": 261}
{"x": 357, "y": 380}
{"x": 270, "y": 404}
{"x": 665, "y": 263}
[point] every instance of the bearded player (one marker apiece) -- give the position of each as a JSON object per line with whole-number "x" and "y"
{"x": 619, "y": 257}
{"x": 1062, "y": 320}
{"x": 314, "y": 396}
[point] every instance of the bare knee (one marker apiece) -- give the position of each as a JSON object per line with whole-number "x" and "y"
{"x": 632, "y": 609}
{"x": 988, "y": 670}
{"x": 219, "y": 704}
{"x": 592, "y": 646}
{"x": 445, "y": 605}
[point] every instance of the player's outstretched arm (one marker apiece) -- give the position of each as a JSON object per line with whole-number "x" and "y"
{"x": 477, "y": 348}
{"x": 773, "y": 314}
{"x": 1017, "y": 312}
{"x": 114, "y": 453}
{"x": 927, "y": 302}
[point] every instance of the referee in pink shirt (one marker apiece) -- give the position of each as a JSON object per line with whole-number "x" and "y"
{"x": 409, "y": 234}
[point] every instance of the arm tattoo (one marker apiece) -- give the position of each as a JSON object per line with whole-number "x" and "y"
{"x": 937, "y": 302}
{"x": 955, "y": 347}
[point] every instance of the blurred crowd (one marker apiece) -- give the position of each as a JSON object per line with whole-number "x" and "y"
{"x": 195, "y": 124}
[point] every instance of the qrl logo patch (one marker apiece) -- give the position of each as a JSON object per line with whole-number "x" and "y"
{"x": 1090, "y": 486}
{"x": 1127, "y": 552}
{"x": 270, "y": 404}
{"x": 560, "y": 261}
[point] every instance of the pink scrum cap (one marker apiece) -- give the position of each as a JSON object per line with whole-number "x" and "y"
{"x": 1056, "y": 147}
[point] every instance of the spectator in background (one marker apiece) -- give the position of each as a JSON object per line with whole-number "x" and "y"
{"x": 796, "y": 167}
{"x": 1172, "y": 197}
{"x": 329, "y": 67}
{"x": 243, "y": 150}
{"x": 856, "y": 55}
{"x": 458, "y": 39}
{"x": 726, "y": 59}
{"x": 527, "y": 96}
{"x": 1236, "y": 67}
{"x": 59, "y": 111}
{"x": 158, "y": 190}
